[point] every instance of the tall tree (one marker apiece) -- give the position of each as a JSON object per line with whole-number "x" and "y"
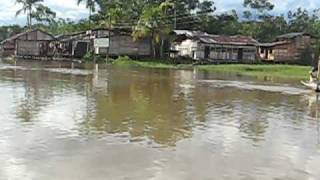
{"x": 300, "y": 20}
{"x": 91, "y": 6}
{"x": 154, "y": 23}
{"x": 43, "y": 14}
{"x": 260, "y": 6}
{"x": 27, "y": 8}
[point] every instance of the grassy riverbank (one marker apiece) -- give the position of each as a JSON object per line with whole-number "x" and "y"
{"x": 279, "y": 71}
{"x": 154, "y": 63}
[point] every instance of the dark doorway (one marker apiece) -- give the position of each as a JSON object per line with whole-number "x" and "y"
{"x": 240, "y": 54}
{"x": 81, "y": 49}
{"x": 43, "y": 46}
{"x": 206, "y": 52}
{"x": 266, "y": 54}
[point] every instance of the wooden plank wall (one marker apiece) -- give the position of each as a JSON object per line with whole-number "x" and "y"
{"x": 125, "y": 45}
{"x": 28, "y": 48}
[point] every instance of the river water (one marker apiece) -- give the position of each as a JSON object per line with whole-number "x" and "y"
{"x": 151, "y": 124}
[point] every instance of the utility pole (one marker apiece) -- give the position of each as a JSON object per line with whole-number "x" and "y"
{"x": 109, "y": 36}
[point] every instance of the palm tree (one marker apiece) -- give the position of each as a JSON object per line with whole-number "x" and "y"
{"x": 27, "y": 7}
{"x": 152, "y": 23}
{"x": 43, "y": 14}
{"x": 91, "y": 5}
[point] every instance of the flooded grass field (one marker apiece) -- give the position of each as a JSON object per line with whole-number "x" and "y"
{"x": 154, "y": 124}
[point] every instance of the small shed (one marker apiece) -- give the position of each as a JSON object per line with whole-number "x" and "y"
{"x": 214, "y": 48}
{"x": 31, "y": 43}
{"x": 288, "y": 48}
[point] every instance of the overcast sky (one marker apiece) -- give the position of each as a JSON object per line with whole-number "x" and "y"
{"x": 70, "y": 9}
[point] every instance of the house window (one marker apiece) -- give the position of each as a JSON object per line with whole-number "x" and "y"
{"x": 270, "y": 51}
{"x": 262, "y": 51}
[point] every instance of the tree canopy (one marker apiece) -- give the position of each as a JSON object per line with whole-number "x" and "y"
{"x": 145, "y": 17}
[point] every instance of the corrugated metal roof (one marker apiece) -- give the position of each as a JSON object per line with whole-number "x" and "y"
{"x": 24, "y": 33}
{"x": 234, "y": 40}
{"x": 217, "y": 39}
{"x": 291, "y": 35}
{"x": 272, "y": 44}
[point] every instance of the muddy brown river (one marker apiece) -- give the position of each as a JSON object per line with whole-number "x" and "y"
{"x": 117, "y": 123}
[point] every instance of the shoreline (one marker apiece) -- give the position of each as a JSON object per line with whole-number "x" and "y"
{"x": 297, "y": 72}
{"x": 257, "y": 70}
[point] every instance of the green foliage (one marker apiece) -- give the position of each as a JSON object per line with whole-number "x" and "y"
{"x": 260, "y": 5}
{"x": 43, "y": 14}
{"x": 155, "y": 19}
{"x": 125, "y": 61}
{"x": 152, "y": 23}
{"x": 89, "y": 56}
{"x": 35, "y": 10}
{"x": 7, "y": 31}
{"x": 281, "y": 71}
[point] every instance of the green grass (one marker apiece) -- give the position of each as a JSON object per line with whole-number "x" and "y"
{"x": 281, "y": 71}
{"x": 276, "y": 71}
{"x": 154, "y": 63}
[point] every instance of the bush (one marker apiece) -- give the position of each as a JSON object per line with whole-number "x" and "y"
{"x": 89, "y": 56}
{"x": 123, "y": 58}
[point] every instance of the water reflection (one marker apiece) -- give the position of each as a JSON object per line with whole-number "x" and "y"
{"x": 160, "y": 124}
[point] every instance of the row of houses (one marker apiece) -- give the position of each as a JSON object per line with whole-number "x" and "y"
{"x": 200, "y": 46}
{"x": 214, "y": 48}
{"x": 295, "y": 48}
{"x": 37, "y": 43}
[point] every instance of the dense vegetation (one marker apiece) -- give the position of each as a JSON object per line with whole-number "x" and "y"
{"x": 158, "y": 17}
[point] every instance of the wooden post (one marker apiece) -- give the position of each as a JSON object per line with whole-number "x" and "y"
{"x": 318, "y": 75}
{"x": 109, "y": 36}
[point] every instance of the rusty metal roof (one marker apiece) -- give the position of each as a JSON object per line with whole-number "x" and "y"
{"x": 272, "y": 44}
{"x": 233, "y": 40}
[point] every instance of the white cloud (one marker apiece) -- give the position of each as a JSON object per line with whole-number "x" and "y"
{"x": 63, "y": 8}
{"x": 281, "y": 6}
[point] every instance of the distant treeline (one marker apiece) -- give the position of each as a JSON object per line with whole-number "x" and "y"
{"x": 159, "y": 17}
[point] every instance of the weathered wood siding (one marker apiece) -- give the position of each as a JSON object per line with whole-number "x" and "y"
{"x": 292, "y": 51}
{"x": 125, "y": 45}
{"x": 33, "y": 43}
{"x": 36, "y": 35}
{"x": 8, "y": 49}
{"x": 28, "y": 48}
{"x": 33, "y": 48}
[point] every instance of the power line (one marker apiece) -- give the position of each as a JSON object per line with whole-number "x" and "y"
{"x": 176, "y": 19}
{"x": 178, "y": 23}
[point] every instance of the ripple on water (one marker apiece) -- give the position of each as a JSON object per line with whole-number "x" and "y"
{"x": 254, "y": 86}
{"x": 153, "y": 125}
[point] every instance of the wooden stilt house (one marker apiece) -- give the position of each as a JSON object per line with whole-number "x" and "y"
{"x": 295, "y": 48}
{"x": 29, "y": 44}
